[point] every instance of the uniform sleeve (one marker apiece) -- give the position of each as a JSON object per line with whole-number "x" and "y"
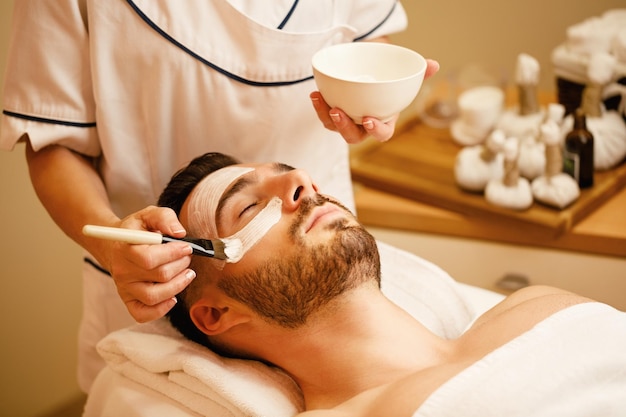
{"x": 376, "y": 18}
{"x": 47, "y": 88}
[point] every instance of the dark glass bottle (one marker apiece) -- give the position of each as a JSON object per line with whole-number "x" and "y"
{"x": 578, "y": 152}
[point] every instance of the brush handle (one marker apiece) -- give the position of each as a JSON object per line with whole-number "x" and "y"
{"x": 137, "y": 237}
{"x": 200, "y": 247}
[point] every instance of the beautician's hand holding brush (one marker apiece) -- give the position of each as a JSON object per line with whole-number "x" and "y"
{"x": 212, "y": 248}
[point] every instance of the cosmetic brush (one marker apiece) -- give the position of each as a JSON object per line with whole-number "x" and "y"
{"x": 213, "y": 248}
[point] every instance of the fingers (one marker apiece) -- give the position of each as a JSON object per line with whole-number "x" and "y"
{"x": 337, "y": 120}
{"x": 148, "y": 277}
{"x": 157, "y": 263}
{"x": 432, "y": 67}
{"x": 380, "y": 131}
{"x": 354, "y": 133}
{"x": 322, "y": 109}
{"x": 351, "y": 132}
{"x": 156, "y": 219}
{"x": 143, "y": 313}
{"x": 148, "y": 301}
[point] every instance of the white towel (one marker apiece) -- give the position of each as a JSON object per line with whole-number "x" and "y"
{"x": 572, "y": 364}
{"x": 157, "y": 356}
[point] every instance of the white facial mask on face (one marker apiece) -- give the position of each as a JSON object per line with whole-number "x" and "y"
{"x": 202, "y": 212}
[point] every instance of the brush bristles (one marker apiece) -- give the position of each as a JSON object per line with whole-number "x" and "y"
{"x": 227, "y": 249}
{"x": 232, "y": 248}
{"x": 219, "y": 249}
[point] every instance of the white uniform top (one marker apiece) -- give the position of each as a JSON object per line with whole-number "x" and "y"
{"x": 147, "y": 85}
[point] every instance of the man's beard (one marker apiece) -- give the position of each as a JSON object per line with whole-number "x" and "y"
{"x": 288, "y": 289}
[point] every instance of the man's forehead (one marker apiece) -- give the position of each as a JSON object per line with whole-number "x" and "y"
{"x": 205, "y": 198}
{"x": 219, "y": 181}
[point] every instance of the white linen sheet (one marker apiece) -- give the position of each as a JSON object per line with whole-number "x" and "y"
{"x": 571, "y": 364}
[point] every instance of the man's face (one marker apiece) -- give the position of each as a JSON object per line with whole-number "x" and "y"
{"x": 315, "y": 252}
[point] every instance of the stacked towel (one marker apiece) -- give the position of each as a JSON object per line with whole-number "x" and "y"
{"x": 157, "y": 356}
{"x": 606, "y": 33}
{"x": 598, "y": 33}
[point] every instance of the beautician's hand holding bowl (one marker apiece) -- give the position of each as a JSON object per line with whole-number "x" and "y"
{"x": 363, "y": 86}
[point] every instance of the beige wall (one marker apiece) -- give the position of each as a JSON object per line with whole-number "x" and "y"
{"x": 39, "y": 272}
{"x": 40, "y": 288}
{"x": 493, "y": 33}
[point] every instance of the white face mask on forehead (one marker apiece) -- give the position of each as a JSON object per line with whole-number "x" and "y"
{"x": 202, "y": 211}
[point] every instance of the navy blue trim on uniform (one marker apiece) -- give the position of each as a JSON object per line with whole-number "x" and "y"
{"x": 210, "y": 64}
{"x": 44, "y": 120}
{"x": 286, "y": 19}
{"x": 378, "y": 25}
{"x": 96, "y": 266}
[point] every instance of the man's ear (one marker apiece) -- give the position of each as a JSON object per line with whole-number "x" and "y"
{"x": 213, "y": 320}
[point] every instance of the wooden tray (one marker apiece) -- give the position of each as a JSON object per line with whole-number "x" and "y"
{"x": 418, "y": 164}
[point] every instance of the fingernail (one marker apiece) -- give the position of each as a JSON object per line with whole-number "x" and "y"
{"x": 368, "y": 124}
{"x": 188, "y": 250}
{"x": 190, "y": 274}
{"x": 335, "y": 117}
{"x": 176, "y": 230}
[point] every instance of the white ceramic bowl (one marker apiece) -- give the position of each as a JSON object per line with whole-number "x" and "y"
{"x": 368, "y": 78}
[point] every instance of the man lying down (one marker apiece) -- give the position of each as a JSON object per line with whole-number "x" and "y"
{"x": 306, "y": 298}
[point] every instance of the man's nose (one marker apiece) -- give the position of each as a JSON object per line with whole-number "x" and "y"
{"x": 295, "y": 186}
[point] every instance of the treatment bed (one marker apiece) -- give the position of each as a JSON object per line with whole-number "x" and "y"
{"x": 571, "y": 364}
{"x": 153, "y": 371}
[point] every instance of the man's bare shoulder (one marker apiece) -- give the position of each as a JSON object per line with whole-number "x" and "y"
{"x": 399, "y": 398}
{"x": 513, "y": 316}
{"x": 540, "y": 301}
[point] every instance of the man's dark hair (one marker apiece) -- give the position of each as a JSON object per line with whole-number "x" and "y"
{"x": 174, "y": 196}
{"x": 183, "y": 181}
